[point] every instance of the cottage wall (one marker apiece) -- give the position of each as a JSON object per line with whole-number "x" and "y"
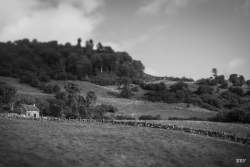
{"x": 33, "y": 114}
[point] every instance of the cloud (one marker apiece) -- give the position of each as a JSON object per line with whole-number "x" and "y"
{"x": 152, "y": 7}
{"x": 169, "y": 7}
{"x": 236, "y": 63}
{"x": 162, "y": 6}
{"x": 60, "y": 20}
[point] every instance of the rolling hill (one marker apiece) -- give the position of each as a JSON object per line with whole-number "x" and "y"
{"x": 125, "y": 106}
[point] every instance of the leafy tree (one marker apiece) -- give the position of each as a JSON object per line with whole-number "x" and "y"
{"x": 125, "y": 92}
{"x": 214, "y": 71}
{"x": 178, "y": 86}
{"x": 248, "y": 83}
{"x": 56, "y": 107}
{"x": 204, "y": 89}
{"x": 237, "y": 90}
{"x": 91, "y": 98}
{"x": 7, "y": 93}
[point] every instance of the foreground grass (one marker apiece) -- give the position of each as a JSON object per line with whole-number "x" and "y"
{"x": 37, "y": 143}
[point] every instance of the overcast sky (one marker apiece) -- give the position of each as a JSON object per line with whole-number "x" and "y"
{"x": 171, "y": 37}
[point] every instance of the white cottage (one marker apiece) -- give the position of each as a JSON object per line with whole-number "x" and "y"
{"x": 30, "y": 111}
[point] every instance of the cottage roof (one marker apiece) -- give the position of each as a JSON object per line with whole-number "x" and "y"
{"x": 30, "y": 107}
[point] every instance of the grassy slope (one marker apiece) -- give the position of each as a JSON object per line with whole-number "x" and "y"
{"x": 34, "y": 143}
{"x": 125, "y": 106}
{"x": 24, "y": 89}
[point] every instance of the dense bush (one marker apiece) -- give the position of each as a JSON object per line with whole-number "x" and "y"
{"x": 30, "y": 78}
{"x": 247, "y": 93}
{"x": 99, "y": 111}
{"x": 102, "y": 81}
{"x": 224, "y": 85}
{"x": 248, "y": 83}
{"x": 212, "y": 100}
{"x": 204, "y": 89}
{"x": 236, "y": 115}
{"x": 178, "y": 86}
{"x": 7, "y": 93}
{"x": 154, "y": 86}
{"x": 49, "y": 88}
{"x": 125, "y": 92}
{"x": 207, "y": 81}
{"x": 236, "y": 80}
{"x": 230, "y": 99}
{"x": 220, "y": 79}
{"x": 237, "y": 90}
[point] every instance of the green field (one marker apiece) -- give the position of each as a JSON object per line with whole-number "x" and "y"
{"x": 45, "y": 143}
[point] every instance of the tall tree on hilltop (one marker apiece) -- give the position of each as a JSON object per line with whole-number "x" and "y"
{"x": 214, "y": 71}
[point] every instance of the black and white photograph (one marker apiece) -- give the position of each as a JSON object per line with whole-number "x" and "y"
{"x": 124, "y": 83}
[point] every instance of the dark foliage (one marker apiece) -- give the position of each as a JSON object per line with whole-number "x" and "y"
{"x": 49, "y": 88}
{"x": 154, "y": 86}
{"x": 178, "y": 86}
{"x": 236, "y": 80}
{"x": 33, "y": 62}
{"x": 126, "y": 92}
{"x": 204, "y": 89}
{"x": 237, "y": 90}
{"x": 7, "y": 93}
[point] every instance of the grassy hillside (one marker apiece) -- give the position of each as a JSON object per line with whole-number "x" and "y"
{"x": 125, "y": 106}
{"x": 35, "y": 143}
{"x": 138, "y": 107}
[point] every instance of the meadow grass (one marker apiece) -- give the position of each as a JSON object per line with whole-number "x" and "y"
{"x": 49, "y": 143}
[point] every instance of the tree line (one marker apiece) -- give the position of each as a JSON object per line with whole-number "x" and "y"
{"x": 34, "y": 62}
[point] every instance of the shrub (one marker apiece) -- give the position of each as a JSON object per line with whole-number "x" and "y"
{"x": 99, "y": 111}
{"x": 126, "y": 92}
{"x": 248, "y": 83}
{"x": 30, "y": 78}
{"x": 91, "y": 98}
{"x": 49, "y": 88}
{"x": 220, "y": 79}
{"x": 237, "y": 90}
{"x": 230, "y": 99}
{"x": 55, "y": 107}
{"x": 106, "y": 108}
{"x": 149, "y": 117}
{"x": 178, "y": 86}
{"x": 247, "y": 93}
{"x": 71, "y": 88}
{"x": 154, "y": 86}
{"x": 212, "y": 100}
{"x": 224, "y": 85}
{"x": 236, "y": 115}
{"x": 44, "y": 77}
{"x": 204, "y": 89}
{"x": 7, "y": 93}
{"x": 135, "y": 89}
